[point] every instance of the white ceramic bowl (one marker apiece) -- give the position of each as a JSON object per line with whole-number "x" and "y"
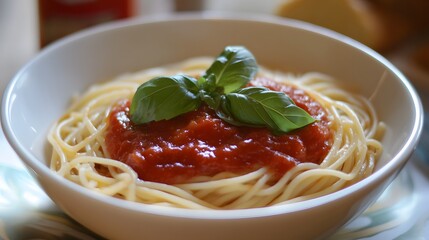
{"x": 41, "y": 92}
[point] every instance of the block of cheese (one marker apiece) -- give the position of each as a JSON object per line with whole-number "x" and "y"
{"x": 352, "y": 18}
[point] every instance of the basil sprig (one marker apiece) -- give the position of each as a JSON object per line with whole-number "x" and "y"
{"x": 222, "y": 88}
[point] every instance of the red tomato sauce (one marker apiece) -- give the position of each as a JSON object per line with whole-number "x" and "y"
{"x": 199, "y": 143}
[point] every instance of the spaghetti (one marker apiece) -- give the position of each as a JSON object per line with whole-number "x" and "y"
{"x": 80, "y": 153}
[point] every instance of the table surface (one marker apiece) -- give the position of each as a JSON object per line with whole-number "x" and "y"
{"x": 26, "y": 212}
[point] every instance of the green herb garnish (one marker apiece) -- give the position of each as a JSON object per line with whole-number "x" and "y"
{"x": 222, "y": 88}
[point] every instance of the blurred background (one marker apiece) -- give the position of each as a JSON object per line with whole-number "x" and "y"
{"x": 397, "y": 29}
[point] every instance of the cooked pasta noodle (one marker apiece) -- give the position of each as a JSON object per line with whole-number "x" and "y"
{"x": 79, "y": 149}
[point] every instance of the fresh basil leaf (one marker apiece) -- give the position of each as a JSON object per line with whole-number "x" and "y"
{"x": 223, "y": 112}
{"x": 163, "y": 98}
{"x": 233, "y": 68}
{"x": 258, "y": 106}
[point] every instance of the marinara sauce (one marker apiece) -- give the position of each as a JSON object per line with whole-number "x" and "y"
{"x": 199, "y": 143}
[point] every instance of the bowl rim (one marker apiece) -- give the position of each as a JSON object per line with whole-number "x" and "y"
{"x": 30, "y": 160}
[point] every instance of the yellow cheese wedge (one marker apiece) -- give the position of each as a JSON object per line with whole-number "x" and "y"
{"x": 352, "y": 18}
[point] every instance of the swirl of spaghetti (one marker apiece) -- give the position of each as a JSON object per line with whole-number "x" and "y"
{"x": 80, "y": 154}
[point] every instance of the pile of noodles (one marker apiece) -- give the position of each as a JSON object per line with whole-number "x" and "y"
{"x": 78, "y": 148}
